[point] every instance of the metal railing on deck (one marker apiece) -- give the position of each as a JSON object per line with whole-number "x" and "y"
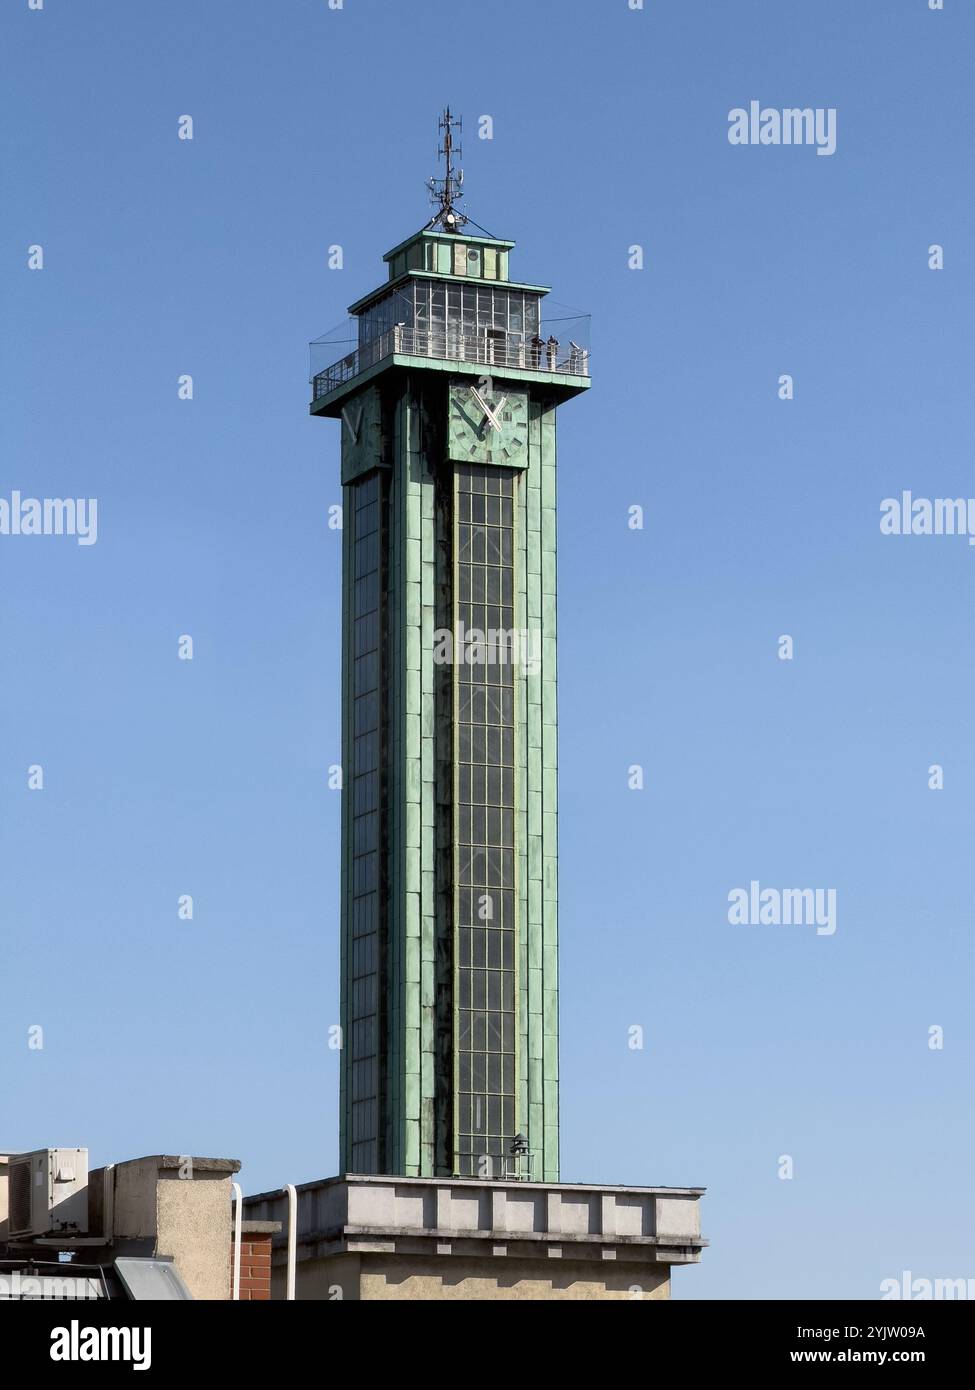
{"x": 502, "y": 351}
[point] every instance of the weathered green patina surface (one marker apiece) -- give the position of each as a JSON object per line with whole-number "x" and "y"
{"x": 413, "y": 437}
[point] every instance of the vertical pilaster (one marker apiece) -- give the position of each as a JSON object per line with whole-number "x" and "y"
{"x": 538, "y": 885}
{"x": 396, "y": 847}
{"x": 422, "y": 469}
{"x": 413, "y": 906}
{"x": 345, "y": 1057}
{"x": 550, "y": 794}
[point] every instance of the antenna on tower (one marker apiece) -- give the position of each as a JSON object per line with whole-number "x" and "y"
{"x": 446, "y": 192}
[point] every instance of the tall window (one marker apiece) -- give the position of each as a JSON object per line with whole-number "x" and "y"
{"x": 364, "y": 946}
{"x": 485, "y": 929}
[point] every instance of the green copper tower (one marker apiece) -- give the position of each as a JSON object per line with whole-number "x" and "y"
{"x": 447, "y": 402}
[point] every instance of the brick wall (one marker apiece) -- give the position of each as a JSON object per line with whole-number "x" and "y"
{"x": 255, "y": 1265}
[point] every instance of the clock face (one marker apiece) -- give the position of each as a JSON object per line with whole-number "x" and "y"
{"x": 488, "y": 423}
{"x": 361, "y": 433}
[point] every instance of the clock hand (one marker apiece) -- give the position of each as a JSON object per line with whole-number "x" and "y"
{"x": 491, "y": 413}
{"x": 353, "y": 429}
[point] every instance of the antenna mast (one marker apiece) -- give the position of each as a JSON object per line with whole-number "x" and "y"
{"x": 446, "y": 192}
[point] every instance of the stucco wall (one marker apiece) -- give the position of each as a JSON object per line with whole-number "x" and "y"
{"x": 376, "y": 1277}
{"x": 185, "y": 1205}
{"x": 135, "y": 1198}
{"x": 195, "y": 1227}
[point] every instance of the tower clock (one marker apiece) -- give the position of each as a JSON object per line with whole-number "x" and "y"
{"x": 488, "y": 423}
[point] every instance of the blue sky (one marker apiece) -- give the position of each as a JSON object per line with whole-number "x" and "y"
{"x": 315, "y": 127}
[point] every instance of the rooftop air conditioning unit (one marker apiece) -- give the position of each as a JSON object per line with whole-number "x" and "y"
{"x": 48, "y": 1193}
